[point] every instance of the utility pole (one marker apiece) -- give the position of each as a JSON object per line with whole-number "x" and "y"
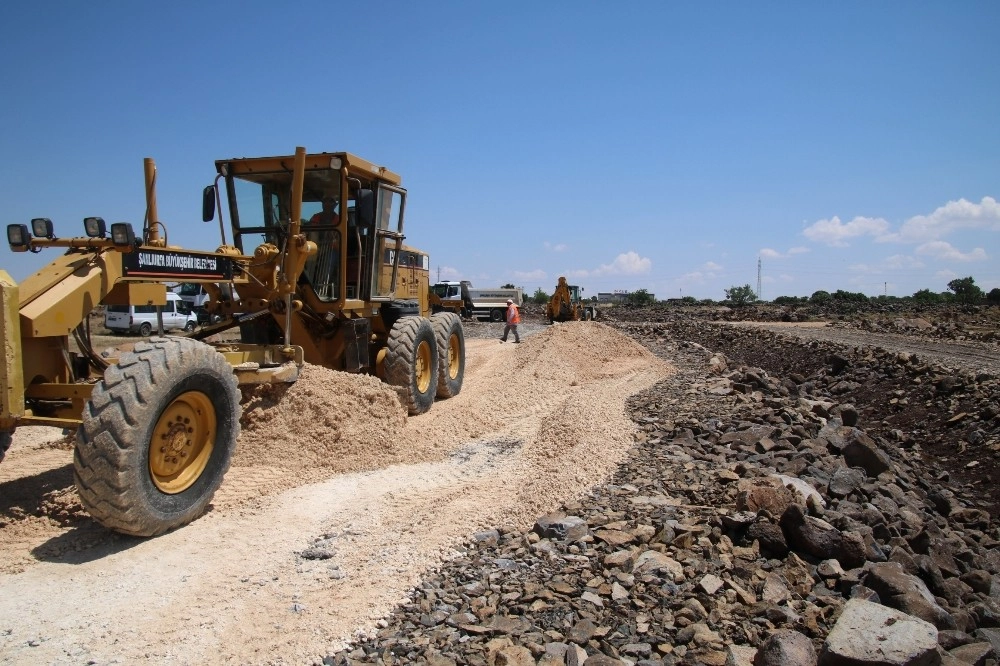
{"x": 759, "y": 294}
{"x": 885, "y": 289}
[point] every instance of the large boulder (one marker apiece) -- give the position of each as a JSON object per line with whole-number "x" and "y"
{"x": 907, "y": 593}
{"x": 868, "y": 633}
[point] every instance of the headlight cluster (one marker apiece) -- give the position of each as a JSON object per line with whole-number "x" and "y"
{"x": 19, "y": 236}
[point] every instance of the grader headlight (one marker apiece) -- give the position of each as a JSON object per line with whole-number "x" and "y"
{"x": 95, "y": 227}
{"x": 122, "y": 234}
{"x": 18, "y": 237}
{"x": 41, "y": 227}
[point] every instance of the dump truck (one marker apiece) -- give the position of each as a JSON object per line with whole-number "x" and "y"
{"x": 461, "y": 297}
{"x": 156, "y": 426}
{"x": 567, "y": 304}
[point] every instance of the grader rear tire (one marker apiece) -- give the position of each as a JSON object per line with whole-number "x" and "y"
{"x": 157, "y": 437}
{"x": 450, "y": 337}
{"x": 411, "y": 362}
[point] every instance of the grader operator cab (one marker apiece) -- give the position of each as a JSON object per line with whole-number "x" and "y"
{"x": 567, "y": 304}
{"x": 316, "y": 272}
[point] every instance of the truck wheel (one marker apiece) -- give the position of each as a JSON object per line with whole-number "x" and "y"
{"x": 411, "y": 362}
{"x": 450, "y": 337}
{"x": 189, "y": 326}
{"x": 5, "y": 439}
{"x": 157, "y": 437}
{"x": 496, "y": 315}
{"x": 145, "y": 329}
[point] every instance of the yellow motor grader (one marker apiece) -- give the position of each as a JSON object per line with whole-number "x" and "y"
{"x": 315, "y": 271}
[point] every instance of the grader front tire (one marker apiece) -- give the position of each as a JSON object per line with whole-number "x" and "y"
{"x": 411, "y": 362}
{"x": 5, "y": 440}
{"x": 157, "y": 437}
{"x": 450, "y": 338}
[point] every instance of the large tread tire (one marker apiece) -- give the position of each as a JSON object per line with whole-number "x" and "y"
{"x": 450, "y": 337}
{"x": 5, "y": 439}
{"x": 120, "y": 477}
{"x": 411, "y": 362}
{"x": 496, "y": 315}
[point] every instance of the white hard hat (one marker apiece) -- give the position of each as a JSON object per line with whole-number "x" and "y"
{"x": 510, "y": 302}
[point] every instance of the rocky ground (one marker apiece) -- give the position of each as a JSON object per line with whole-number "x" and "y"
{"x": 787, "y": 501}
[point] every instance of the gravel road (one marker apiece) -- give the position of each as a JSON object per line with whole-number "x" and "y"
{"x": 967, "y": 355}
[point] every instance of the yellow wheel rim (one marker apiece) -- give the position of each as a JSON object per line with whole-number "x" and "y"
{"x": 453, "y": 358}
{"x": 182, "y": 442}
{"x": 423, "y": 369}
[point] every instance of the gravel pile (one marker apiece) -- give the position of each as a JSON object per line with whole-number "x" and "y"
{"x": 765, "y": 515}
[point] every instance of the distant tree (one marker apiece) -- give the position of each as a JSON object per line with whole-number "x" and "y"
{"x": 740, "y": 296}
{"x": 790, "y": 300}
{"x": 966, "y": 291}
{"x": 926, "y": 297}
{"x": 706, "y": 301}
{"x": 689, "y": 300}
{"x": 849, "y": 296}
{"x": 993, "y": 298}
{"x": 508, "y": 286}
{"x": 540, "y": 297}
{"x": 640, "y": 297}
{"x": 820, "y": 297}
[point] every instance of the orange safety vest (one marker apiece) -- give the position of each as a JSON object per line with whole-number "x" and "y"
{"x": 513, "y": 315}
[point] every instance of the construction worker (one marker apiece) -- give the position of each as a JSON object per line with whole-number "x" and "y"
{"x": 513, "y": 319}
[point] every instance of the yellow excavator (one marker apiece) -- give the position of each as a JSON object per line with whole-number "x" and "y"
{"x": 567, "y": 304}
{"x": 315, "y": 270}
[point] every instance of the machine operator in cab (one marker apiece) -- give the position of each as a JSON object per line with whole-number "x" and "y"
{"x": 324, "y": 268}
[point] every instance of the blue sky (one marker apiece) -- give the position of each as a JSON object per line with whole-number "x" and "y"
{"x": 657, "y": 145}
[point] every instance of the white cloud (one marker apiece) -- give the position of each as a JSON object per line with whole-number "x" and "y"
{"x": 903, "y": 261}
{"x": 529, "y": 276}
{"x": 712, "y": 266}
{"x": 448, "y": 273}
{"x": 555, "y": 247}
{"x": 951, "y": 217}
{"x": 628, "y": 263}
{"x": 836, "y": 233}
{"x": 945, "y": 251}
{"x": 771, "y": 253}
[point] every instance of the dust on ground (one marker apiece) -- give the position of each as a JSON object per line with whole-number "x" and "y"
{"x": 334, "y": 506}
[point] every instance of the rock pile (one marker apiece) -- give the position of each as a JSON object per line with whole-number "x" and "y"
{"x": 757, "y": 522}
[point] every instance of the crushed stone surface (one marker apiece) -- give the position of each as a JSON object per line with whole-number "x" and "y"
{"x": 335, "y": 505}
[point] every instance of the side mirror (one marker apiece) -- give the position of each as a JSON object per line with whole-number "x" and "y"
{"x": 364, "y": 205}
{"x": 208, "y": 204}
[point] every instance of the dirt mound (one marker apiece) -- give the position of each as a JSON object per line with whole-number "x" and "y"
{"x": 327, "y": 421}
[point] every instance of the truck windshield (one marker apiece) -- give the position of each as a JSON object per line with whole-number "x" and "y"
{"x": 191, "y": 289}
